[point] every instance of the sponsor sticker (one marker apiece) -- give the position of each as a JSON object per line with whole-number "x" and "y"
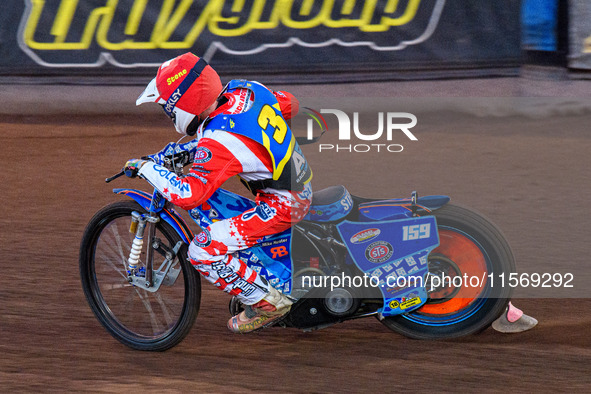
{"x": 379, "y": 252}
{"x": 397, "y": 289}
{"x": 263, "y": 211}
{"x": 365, "y": 235}
{"x": 423, "y": 260}
{"x": 377, "y": 273}
{"x": 202, "y": 155}
{"x": 411, "y": 302}
{"x": 203, "y": 180}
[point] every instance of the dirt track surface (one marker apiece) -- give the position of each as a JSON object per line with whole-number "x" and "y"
{"x": 532, "y": 180}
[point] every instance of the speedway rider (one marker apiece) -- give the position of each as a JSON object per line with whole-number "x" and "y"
{"x": 240, "y": 130}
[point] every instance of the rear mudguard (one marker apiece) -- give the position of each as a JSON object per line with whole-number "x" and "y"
{"x": 399, "y": 208}
{"x": 169, "y": 215}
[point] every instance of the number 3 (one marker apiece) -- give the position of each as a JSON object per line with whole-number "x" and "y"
{"x": 267, "y": 117}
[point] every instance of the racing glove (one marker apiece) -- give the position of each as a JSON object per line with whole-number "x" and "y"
{"x": 171, "y": 149}
{"x": 132, "y": 167}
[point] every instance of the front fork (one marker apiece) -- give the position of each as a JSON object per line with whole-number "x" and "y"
{"x": 146, "y": 277}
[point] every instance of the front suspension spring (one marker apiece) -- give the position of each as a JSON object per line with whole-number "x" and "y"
{"x": 138, "y": 223}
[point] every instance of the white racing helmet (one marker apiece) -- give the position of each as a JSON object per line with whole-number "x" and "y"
{"x": 185, "y": 87}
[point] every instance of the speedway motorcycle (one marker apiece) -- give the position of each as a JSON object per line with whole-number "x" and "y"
{"x": 423, "y": 267}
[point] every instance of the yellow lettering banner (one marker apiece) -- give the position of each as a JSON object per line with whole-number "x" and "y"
{"x": 114, "y": 25}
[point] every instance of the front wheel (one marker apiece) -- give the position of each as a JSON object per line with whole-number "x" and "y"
{"x": 474, "y": 249}
{"x": 136, "y": 317}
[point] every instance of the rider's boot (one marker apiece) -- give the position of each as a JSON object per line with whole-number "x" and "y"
{"x": 266, "y": 312}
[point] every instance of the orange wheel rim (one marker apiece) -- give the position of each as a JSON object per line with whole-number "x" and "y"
{"x": 471, "y": 262}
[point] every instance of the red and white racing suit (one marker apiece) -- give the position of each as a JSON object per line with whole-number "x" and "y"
{"x": 221, "y": 155}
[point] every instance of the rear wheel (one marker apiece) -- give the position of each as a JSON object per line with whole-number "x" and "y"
{"x": 138, "y": 318}
{"x": 471, "y": 248}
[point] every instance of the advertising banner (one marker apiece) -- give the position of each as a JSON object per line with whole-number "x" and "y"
{"x": 539, "y": 24}
{"x": 580, "y": 34}
{"x": 131, "y": 37}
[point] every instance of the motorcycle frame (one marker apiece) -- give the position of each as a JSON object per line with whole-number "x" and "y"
{"x": 216, "y": 208}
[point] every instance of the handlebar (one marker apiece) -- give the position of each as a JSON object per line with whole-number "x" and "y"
{"x": 115, "y": 176}
{"x": 171, "y": 162}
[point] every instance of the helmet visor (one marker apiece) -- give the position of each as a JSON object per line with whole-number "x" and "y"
{"x": 149, "y": 95}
